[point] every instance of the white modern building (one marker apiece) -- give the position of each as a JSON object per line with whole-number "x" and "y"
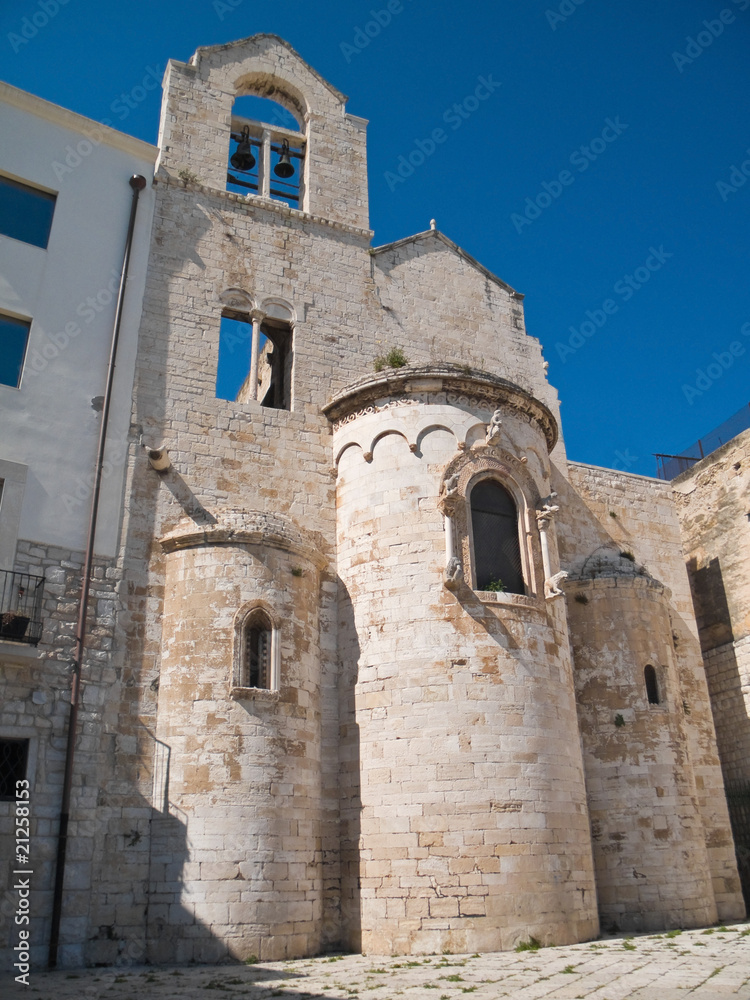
{"x": 65, "y": 206}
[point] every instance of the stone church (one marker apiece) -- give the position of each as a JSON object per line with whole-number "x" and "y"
{"x": 387, "y": 671}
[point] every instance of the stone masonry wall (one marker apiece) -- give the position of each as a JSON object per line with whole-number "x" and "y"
{"x": 603, "y": 510}
{"x": 652, "y": 870}
{"x": 713, "y": 503}
{"x": 465, "y": 825}
{"x": 36, "y": 706}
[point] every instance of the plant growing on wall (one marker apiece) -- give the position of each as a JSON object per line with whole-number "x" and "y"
{"x": 395, "y": 358}
{"x": 496, "y": 586}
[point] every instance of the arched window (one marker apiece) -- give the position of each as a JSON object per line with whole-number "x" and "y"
{"x": 269, "y": 380}
{"x": 652, "y": 688}
{"x": 497, "y": 553}
{"x": 266, "y": 151}
{"x": 257, "y": 653}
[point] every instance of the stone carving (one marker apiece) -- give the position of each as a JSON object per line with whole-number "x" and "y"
{"x": 551, "y": 586}
{"x": 451, "y": 485}
{"x": 546, "y": 511}
{"x": 493, "y": 428}
{"x": 454, "y": 574}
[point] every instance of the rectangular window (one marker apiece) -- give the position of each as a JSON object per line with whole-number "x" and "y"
{"x": 14, "y": 335}
{"x": 25, "y": 212}
{"x": 14, "y": 755}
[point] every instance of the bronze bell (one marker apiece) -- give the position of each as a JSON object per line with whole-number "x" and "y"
{"x": 284, "y": 168}
{"x": 242, "y": 158}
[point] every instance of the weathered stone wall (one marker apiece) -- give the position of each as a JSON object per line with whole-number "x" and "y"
{"x": 417, "y": 782}
{"x": 466, "y": 826}
{"x": 197, "y": 110}
{"x": 242, "y": 457}
{"x": 468, "y": 317}
{"x": 652, "y": 869}
{"x": 602, "y": 512}
{"x": 244, "y": 763}
{"x": 36, "y": 706}
{"x": 250, "y": 460}
{"x": 712, "y": 501}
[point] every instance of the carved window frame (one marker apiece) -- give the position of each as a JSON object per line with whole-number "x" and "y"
{"x": 490, "y": 476}
{"x": 509, "y": 473}
{"x": 247, "y": 618}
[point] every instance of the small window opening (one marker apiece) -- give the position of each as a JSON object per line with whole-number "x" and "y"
{"x": 257, "y": 653}
{"x": 652, "y": 688}
{"x": 235, "y": 347}
{"x": 497, "y": 553}
{"x": 269, "y": 380}
{"x": 257, "y": 657}
{"x": 14, "y": 336}
{"x": 13, "y": 757}
{"x": 275, "y": 366}
{"x": 25, "y": 213}
{"x": 266, "y": 151}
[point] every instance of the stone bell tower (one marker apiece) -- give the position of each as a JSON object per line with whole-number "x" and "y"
{"x": 231, "y": 545}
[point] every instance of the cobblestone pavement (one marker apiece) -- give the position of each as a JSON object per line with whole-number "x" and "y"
{"x": 709, "y": 964}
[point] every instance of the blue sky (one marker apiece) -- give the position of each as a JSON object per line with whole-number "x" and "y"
{"x": 600, "y": 173}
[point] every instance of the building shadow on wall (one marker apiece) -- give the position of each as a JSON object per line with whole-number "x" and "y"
{"x": 484, "y": 615}
{"x": 710, "y": 602}
{"x": 731, "y": 718}
{"x": 351, "y": 796}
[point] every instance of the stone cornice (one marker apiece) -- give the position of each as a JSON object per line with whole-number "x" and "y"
{"x": 245, "y": 528}
{"x": 474, "y": 385}
{"x": 251, "y": 201}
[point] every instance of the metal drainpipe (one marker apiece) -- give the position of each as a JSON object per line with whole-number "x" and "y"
{"x": 137, "y": 183}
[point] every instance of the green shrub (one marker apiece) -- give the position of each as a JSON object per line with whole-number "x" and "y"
{"x": 395, "y": 358}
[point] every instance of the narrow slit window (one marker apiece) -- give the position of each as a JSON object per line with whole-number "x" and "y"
{"x": 652, "y": 687}
{"x": 257, "y": 653}
{"x": 497, "y": 553}
{"x": 258, "y": 657}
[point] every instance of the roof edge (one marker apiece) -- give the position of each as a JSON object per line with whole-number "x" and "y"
{"x": 55, "y": 113}
{"x": 472, "y": 261}
{"x": 195, "y": 58}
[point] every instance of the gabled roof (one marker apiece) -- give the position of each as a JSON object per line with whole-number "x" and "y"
{"x": 436, "y": 234}
{"x": 195, "y": 58}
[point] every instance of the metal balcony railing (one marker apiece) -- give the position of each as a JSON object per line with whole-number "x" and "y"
{"x": 669, "y": 466}
{"x": 21, "y": 607}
